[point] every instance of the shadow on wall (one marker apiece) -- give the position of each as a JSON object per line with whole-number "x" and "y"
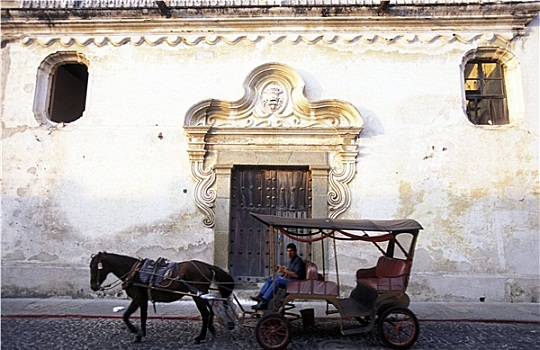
{"x": 372, "y": 123}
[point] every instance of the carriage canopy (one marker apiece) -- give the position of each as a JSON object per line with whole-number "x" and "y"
{"x": 323, "y": 226}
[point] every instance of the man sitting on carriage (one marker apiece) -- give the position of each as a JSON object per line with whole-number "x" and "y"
{"x": 295, "y": 270}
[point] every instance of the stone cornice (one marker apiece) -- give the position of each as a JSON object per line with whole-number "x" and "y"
{"x": 515, "y": 15}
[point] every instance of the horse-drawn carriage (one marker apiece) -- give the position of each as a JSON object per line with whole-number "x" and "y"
{"x": 379, "y": 299}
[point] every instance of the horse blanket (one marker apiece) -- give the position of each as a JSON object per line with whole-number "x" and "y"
{"x": 154, "y": 272}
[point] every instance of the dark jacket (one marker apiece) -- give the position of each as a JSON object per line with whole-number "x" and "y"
{"x": 298, "y": 266}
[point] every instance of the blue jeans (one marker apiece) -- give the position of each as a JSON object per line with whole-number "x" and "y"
{"x": 267, "y": 289}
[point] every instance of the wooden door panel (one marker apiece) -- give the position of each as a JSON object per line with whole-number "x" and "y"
{"x": 264, "y": 190}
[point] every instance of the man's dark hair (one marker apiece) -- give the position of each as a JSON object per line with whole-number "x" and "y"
{"x": 291, "y": 246}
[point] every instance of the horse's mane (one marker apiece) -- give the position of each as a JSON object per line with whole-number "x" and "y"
{"x": 125, "y": 259}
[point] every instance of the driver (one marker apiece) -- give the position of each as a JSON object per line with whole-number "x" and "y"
{"x": 295, "y": 270}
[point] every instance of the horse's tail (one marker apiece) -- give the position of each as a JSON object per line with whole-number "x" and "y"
{"x": 224, "y": 281}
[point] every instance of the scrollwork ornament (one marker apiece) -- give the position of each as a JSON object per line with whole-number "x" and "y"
{"x": 339, "y": 195}
{"x": 205, "y": 196}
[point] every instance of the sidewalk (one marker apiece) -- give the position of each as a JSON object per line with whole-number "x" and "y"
{"x": 185, "y": 309}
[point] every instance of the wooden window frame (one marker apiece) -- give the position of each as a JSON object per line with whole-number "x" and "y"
{"x": 494, "y": 115}
{"x": 512, "y": 84}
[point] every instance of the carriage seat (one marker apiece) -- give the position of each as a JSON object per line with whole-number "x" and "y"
{"x": 388, "y": 275}
{"x": 313, "y": 284}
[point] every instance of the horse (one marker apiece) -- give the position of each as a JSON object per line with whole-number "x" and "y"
{"x": 193, "y": 278}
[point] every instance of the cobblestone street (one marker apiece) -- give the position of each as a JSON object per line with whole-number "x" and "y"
{"x": 95, "y": 333}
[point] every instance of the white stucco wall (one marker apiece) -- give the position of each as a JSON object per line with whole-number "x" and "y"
{"x": 119, "y": 178}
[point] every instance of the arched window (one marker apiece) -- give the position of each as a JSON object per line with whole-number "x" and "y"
{"x": 487, "y": 74}
{"x": 61, "y": 86}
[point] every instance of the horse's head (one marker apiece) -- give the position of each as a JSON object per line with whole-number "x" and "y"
{"x": 98, "y": 271}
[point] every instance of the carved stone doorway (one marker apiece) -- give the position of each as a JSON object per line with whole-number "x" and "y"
{"x": 273, "y": 124}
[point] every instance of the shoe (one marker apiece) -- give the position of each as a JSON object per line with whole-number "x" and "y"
{"x": 257, "y": 298}
{"x": 262, "y": 305}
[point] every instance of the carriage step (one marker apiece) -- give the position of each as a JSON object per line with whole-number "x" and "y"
{"x": 353, "y": 331}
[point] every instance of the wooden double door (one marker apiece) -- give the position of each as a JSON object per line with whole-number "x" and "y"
{"x": 282, "y": 191}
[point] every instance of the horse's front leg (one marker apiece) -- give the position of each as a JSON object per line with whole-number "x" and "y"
{"x": 129, "y": 311}
{"x": 202, "y": 305}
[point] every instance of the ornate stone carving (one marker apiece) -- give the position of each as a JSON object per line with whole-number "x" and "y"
{"x": 205, "y": 196}
{"x": 274, "y": 116}
{"x": 272, "y": 98}
{"x": 339, "y": 195}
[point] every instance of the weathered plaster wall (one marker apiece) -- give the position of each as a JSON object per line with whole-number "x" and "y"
{"x": 119, "y": 180}
{"x": 475, "y": 189}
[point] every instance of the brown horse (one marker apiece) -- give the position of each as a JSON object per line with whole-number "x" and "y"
{"x": 193, "y": 278}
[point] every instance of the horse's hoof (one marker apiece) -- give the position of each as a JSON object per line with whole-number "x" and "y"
{"x": 137, "y": 339}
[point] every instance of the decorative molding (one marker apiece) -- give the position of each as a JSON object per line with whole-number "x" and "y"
{"x": 102, "y": 4}
{"x": 293, "y": 39}
{"x": 273, "y": 116}
{"x": 273, "y": 98}
{"x": 504, "y": 56}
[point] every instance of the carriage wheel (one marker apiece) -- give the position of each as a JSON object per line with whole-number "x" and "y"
{"x": 398, "y": 327}
{"x": 273, "y": 332}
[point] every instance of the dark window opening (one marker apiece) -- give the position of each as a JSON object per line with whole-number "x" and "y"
{"x": 485, "y": 93}
{"x": 68, "y": 93}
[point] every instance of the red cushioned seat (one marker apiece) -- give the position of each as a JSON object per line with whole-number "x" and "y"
{"x": 313, "y": 284}
{"x": 389, "y": 274}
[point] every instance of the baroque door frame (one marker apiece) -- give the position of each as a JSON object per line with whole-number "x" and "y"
{"x": 272, "y": 124}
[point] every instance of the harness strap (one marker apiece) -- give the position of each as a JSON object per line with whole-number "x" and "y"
{"x": 131, "y": 274}
{"x": 191, "y": 288}
{"x": 151, "y": 281}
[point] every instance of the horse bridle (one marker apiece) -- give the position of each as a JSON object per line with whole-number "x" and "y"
{"x": 99, "y": 268}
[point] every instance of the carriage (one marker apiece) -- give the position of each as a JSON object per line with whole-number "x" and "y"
{"x": 379, "y": 299}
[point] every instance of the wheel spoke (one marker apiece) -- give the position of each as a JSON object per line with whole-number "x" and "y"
{"x": 273, "y": 332}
